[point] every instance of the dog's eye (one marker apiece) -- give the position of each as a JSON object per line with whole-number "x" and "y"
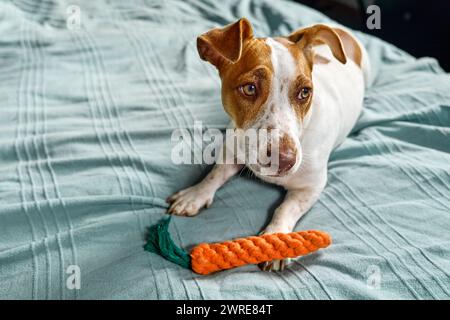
{"x": 248, "y": 89}
{"x": 304, "y": 93}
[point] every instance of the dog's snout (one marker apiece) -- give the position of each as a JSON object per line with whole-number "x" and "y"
{"x": 286, "y": 161}
{"x": 287, "y": 155}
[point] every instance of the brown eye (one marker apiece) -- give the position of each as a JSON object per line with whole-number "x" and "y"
{"x": 248, "y": 89}
{"x": 304, "y": 93}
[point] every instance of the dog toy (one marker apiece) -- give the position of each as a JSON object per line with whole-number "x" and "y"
{"x": 207, "y": 258}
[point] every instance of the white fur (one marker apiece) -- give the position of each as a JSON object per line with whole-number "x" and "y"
{"x": 337, "y": 103}
{"x": 338, "y": 92}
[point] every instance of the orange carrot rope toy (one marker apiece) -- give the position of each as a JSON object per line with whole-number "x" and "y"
{"x": 207, "y": 258}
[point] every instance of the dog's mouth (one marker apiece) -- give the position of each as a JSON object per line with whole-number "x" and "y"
{"x": 274, "y": 171}
{"x": 277, "y": 156}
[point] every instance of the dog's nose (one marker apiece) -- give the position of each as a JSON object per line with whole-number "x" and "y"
{"x": 287, "y": 155}
{"x": 287, "y": 160}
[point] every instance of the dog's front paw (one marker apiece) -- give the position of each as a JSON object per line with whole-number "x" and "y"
{"x": 274, "y": 265}
{"x": 188, "y": 202}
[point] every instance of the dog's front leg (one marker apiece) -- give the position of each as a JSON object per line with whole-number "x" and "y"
{"x": 296, "y": 203}
{"x": 188, "y": 202}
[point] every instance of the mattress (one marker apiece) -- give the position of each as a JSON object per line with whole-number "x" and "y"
{"x": 90, "y": 94}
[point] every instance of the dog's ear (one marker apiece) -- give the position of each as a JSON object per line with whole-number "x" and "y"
{"x": 225, "y": 44}
{"x": 318, "y": 34}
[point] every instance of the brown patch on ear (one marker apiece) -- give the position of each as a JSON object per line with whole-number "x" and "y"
{"x": 224, "y": 45}
{"x": 307, "y": 38}
{"x": 284, "y": 41}
{"x": 351, "y": 46}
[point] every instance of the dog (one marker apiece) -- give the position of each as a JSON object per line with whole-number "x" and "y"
{"x": 308, "y": 85}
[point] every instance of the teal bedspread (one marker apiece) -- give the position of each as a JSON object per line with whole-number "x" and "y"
{"x": 86, "y": 117}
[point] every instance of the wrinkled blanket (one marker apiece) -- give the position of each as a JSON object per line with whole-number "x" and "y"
{"x": 88, "y": 104}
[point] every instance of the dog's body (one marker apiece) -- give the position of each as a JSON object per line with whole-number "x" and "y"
{"x": 269, "y": 84}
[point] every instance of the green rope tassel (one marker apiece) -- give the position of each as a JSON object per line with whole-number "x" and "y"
{"x": 160, "y": 242}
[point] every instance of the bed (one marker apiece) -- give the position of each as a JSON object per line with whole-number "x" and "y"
{"x": 90, "y": 94}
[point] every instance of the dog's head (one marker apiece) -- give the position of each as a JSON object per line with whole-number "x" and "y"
{"x": 266, "y": 82}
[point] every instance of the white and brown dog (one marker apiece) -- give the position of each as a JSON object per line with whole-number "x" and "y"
{"x": 308, "y": 85}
